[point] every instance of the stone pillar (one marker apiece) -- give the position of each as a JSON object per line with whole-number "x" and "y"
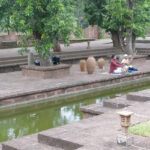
{"x": 125, "y": 121}
{"x": 30, "y": 59}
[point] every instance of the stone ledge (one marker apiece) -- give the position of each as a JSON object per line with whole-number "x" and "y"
{"x": 48, "y": 68}
{"x": 57, "y": 142}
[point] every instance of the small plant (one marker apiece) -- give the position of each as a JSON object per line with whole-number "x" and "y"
{"x": 142, "y": 129}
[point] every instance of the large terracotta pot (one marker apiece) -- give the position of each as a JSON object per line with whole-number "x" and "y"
{"x": 101, "y": 63}
{"x": 83, "y": 65}
{"x": 91, "y": 64}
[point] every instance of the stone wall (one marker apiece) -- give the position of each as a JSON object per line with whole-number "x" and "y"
{"x": 10, "y": 36}
{"x": 91, "y": 32}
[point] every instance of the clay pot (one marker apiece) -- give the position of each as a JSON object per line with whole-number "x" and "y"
{"x": 101, "y": 63}
{"x": 83, "y": 65}
{"x": 91, "y": 64}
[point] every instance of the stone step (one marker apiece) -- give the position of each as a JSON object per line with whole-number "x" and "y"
{"x": 63, "y": 140}
{"x": 84, "y": 57}
{"x": 12, "y": 58}
{"x": 94, "y": 109}
{"x": 116, "y": 103}
{"x": 13, "y": 61}
{"x": 88, "y": 53}
{"x": 27, "y": 143}
{"x": 13, "y": 65}
{"x": 141, "y": 96}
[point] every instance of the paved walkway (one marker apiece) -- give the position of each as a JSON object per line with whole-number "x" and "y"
{"x": 15, "y": 83}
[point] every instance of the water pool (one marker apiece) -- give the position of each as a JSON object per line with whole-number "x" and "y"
{"x": 29, "y": 122}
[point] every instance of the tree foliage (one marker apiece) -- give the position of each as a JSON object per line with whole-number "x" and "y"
{"x": 94, "y": 10}
{"x": 5, "y": 13}
{"x": 126, "y": 19}
{"x": 46, "y": 21}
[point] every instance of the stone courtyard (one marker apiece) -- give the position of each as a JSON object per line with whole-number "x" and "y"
{"x": 96, "y": 133}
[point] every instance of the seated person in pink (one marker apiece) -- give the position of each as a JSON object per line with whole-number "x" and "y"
{"x": 114, "y": 64}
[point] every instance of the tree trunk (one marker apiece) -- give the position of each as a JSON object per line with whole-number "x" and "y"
{"x": 57, "y": 47}
{"x": 133, "y": 42}
{"x": 44, "y": 61}
{"x": 30, "y": 59}
{"x": 129, "y": 37}
{"x": 115, "y": 39}
{"x": 129, "y": 46}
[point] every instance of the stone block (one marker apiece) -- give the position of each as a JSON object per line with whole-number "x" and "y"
{"x": 92, "y": 110}
{"x": 57, "y": 142}
{"x": 125, "y": 140}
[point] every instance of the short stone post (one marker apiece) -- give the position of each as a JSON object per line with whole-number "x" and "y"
{"x": 88, "y": 45}
{"x": 30, "y": 59}
{"x": 125, "y": 122}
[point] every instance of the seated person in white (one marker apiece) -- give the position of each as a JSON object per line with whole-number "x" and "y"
{"x": 127, "y": 64}
{"x": 125, "y": 60}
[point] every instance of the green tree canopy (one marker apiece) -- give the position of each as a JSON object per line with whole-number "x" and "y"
{"x": 47, "y": 21}
{"x": 125, "y": 19}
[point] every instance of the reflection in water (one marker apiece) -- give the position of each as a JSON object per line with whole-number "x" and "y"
{"x": 42, "y": 119}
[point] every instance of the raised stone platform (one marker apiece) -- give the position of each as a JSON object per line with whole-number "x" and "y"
{"x": 58, "y": 71}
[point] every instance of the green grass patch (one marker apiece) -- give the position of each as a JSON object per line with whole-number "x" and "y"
{"x": 142, "y": 129}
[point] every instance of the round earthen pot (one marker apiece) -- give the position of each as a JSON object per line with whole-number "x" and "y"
{"x": 101, "y": 63}
{"x": 83, "y": 65}
{"x": 90, "y": 64}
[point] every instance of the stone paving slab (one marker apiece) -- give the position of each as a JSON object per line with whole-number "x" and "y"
{"x": 117, "y": 103}
{"x": 95, "y": 109}
{"x": 139, "y": 96}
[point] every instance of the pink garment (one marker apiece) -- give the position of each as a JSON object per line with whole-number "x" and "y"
{"x": 114, "y": 64}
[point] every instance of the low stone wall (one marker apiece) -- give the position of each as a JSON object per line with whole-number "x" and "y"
{"x": 105, "y": 84}
{"x": 46, "y": 72}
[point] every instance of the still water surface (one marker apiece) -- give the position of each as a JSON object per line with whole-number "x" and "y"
{"x": 32, "y": 122}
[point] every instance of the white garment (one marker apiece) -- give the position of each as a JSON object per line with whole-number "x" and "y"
{"x": 118, "y": 70}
